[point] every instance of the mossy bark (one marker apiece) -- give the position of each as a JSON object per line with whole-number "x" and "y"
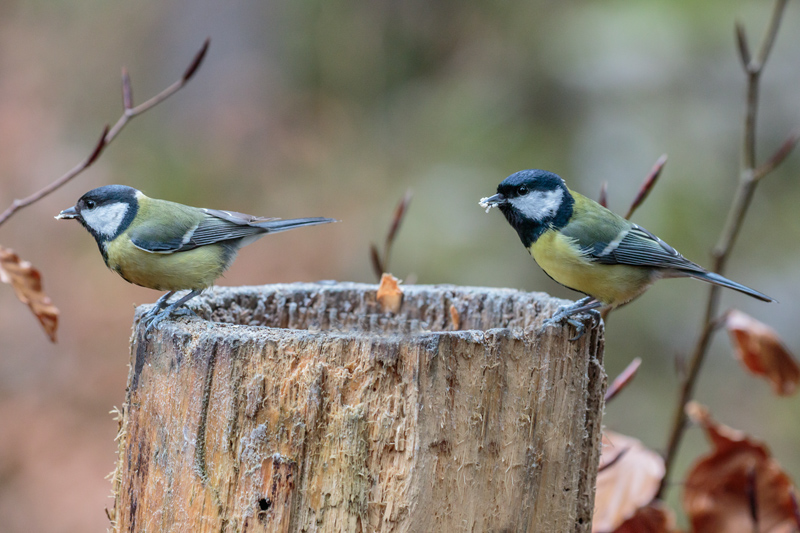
{"x": 455, "y": 414}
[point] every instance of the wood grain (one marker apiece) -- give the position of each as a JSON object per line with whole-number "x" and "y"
{"x": 338, "y": 417}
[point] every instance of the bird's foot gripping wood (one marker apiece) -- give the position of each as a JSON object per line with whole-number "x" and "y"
{"x": 161, "y": 310}
{"x": 586, "y": 305}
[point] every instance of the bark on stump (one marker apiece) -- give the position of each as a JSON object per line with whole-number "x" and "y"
{"x": 455, "y": 414}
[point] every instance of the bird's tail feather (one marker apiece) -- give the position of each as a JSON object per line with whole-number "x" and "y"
{"x": 716, "y": 279}
{"x": 274, "y": 226}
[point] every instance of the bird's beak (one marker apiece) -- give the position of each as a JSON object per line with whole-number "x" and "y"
{"x": 67, "y": 213}
{"x": 492, "y": 201}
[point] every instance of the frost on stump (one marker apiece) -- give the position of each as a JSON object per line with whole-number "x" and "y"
{"x": 453, "y": 414}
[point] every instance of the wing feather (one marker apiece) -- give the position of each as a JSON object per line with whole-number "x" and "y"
{"x": 639, "y": 247}
{"x": 187, "y": 233}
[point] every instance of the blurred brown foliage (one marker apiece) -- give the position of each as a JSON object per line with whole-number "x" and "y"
{"x": 627, "y": 481}
{"x": 738, "y": 486}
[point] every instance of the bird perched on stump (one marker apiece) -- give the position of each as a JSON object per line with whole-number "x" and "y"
{"x": 587, "y": 248}
{"x": 168, "y": 246}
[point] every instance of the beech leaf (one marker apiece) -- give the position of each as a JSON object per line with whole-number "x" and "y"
{"x": 761, "y": 351}
{"x": 737, "y": 483}
{"x": 626, "y": 485}
{"x": 27, "y": 284}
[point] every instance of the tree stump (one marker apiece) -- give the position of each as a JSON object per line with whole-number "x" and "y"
{"x": 454, "y": 414}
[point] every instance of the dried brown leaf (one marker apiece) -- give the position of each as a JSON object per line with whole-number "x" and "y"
{"x": 761, "y": 351}
{"x": 738, "y": 480}
{"x": 27, "y": 284}
{"x": 455, "y": 317}
{"x": 389, "y": 295}
{"x": 627, "y": 485}
{"x": 652, "y": 518}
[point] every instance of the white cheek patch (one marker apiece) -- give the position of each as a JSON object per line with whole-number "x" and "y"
{"x": 539, "y": 205}
{"x": 105, "y": 219}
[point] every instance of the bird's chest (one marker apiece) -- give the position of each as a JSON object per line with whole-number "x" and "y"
{"x": 561, "y": 260}
{"x": 193, "y": 269}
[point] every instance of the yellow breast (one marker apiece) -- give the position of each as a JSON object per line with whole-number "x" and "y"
{"x": 193, "y": 269}
{"x": 611, "y": 284}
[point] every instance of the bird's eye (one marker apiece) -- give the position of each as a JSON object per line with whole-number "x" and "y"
{"x": 523, "y": 190}
{"x": 90, "y": 204}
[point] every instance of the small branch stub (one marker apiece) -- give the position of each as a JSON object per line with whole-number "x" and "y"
{"x": 310, "y": 409}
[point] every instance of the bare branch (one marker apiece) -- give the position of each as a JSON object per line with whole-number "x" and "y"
{"x": 198, "y": 59}
{"x": 399, "y": 214}
{"x": 127, "y": 91}
{"x": 613, "y": 461}
{"x": 109, "y": 134}
{"x": 623, "y": 379}
{"x": 647, "y": 185}
{"x": 101, "y": 144}
{"x": 381, "y": 264}
{"x": 744, "y": 48}
{"x": 778, "y": 157}
{"x": 375, "y": 259}
{"x": 602, "y": 198}
{"x": 748, "y": 180}
{"x": 771, "y": 33}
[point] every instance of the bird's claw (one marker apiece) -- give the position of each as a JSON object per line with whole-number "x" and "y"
{"x": 155, "y": 316}
{"x": 563, "y": 315}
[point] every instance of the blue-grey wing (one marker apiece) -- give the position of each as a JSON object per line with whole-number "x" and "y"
{"x": 187, "y": 234}
{"x": 636, "y": 246}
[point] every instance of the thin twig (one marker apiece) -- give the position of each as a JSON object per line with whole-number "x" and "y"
{"x": 622, "y": 380}
{"x": 380, "y": 265}
{"x": 778, "y": 157}
{"x": 749, "y": 177}
{"x": 602, "y": 198}
{"x": 110, "y": 133}
{"x": 613, "y": 461}
{"x": 647, "y": 185}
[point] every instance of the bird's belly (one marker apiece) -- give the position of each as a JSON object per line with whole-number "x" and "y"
{"x": 611, "y": 284}
{"x": 193, "y": 269}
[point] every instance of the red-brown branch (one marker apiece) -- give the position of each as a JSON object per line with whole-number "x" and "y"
{"x": 110, "y": 133}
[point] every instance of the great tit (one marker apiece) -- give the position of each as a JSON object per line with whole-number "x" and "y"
{"x": 587, "y": 248}
{"x": 168, "y": 246}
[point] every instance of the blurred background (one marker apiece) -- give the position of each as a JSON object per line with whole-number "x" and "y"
{"x": 336, "y": 108}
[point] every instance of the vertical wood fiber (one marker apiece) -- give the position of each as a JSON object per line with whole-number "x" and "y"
{"x": 338, "y": 417}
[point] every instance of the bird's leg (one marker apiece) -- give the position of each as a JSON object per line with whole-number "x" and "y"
{"x": 160, "y": 304}
{"x": 585, "y": 305}
{"x": 168, "y": 310}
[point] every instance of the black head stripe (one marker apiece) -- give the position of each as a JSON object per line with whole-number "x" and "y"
{"x": 524, "y": 182}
